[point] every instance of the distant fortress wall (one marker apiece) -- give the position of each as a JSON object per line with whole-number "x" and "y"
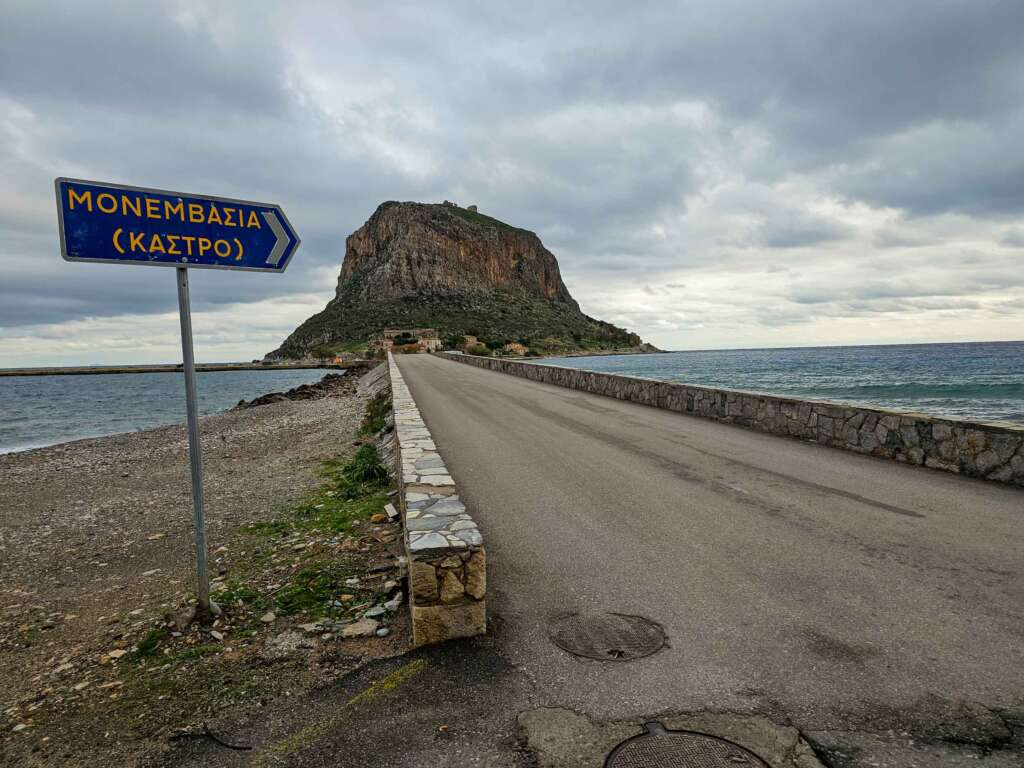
{"x": 992, "y": 451}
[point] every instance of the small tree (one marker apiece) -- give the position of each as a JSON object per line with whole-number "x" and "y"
{"x": 323, "y": 352}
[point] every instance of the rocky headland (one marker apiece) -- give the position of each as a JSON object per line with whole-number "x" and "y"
{"x": 417, "y": 265}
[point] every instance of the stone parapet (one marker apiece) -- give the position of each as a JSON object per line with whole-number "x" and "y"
{"x": 447, "y": 562}
{"x": 989, "y": 450}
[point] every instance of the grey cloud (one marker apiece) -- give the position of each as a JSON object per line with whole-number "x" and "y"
{"x": 896, "y": 237}
{"x": 798, "y": 231}
{"x": 600, "y": 130}
{"x": 1013, "y": 238}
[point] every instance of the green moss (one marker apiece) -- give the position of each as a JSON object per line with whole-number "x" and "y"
{"x": 234, "y": 594}
{"x": 313, "y": 590}
{"x": 150, "y": 645}
{"x": 376, "y": 413}
{"x": 198, "y": 651}
{"x": 474, "y": 217}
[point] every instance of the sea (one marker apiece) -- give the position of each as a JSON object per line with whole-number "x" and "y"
{"x": 978, "y": 381}
{"x": 43, "y": 410}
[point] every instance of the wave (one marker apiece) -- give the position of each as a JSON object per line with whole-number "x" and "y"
{"x": 914, "y": 391}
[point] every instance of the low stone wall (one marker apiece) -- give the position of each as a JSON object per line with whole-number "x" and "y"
{"x": 447, "y": 562}
{"x": 991, "y": 451}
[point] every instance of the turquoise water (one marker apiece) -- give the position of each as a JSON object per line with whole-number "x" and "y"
{"x": 43, "y": 410}
{"x": 981, "y": 381}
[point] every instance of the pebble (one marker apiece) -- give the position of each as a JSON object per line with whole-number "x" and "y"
{"x": 19, "y": 727}
{"x": 394, "y": 603}
{"x": 216, "y": 635}
{"x": 361, "y": 628}
{"x": 150, "y": 573}
{"x": 383, "y": 632}
{"x": 82, "y": 686}
{"x": 353, "y": 582}
{"x": 377, "y": 610}
{"x": 268, "y": 617}
{"x": 117, "y": 653}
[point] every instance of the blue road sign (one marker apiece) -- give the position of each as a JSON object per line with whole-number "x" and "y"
{"x": 115, "y": 224}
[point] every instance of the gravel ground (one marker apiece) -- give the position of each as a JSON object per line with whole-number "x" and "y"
{"x": 96, "y": 534}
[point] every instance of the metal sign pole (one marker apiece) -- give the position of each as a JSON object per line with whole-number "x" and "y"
{"x": 194, "y": 448}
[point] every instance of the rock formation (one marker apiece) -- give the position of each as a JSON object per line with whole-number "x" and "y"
{"x": 416, "y": 265}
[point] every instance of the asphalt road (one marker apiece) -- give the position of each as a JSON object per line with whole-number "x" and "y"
{"x": 840, "y": 592}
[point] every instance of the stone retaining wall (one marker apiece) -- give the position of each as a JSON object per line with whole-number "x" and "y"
{"x": 447, "y": 562}
{"x": 992, "y": 451}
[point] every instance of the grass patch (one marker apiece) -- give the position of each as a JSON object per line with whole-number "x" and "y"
{"x": 313, "y": 589}
{"x": 351, "y": 491}
{"x": 198, "y": 651}
{"x": 234, "y": 594}
{"x": 376, "y": 413}
{"x": 150, "y": 645}
{"x": 480, "y": 219}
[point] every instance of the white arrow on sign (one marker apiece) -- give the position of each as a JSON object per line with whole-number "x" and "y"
{"x": 282, "y": 238}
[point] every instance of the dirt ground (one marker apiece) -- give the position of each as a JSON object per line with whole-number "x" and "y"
{"x": 96, "y": 555}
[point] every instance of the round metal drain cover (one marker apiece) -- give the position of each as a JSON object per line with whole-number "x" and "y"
{"x": 608, "y": 636}
{"x": 660, "y": 748}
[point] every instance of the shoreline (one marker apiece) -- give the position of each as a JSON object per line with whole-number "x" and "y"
{"x": 99, "y": 370}
{"x": 264, "y": 397}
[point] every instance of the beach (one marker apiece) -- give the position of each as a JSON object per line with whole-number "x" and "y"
{"x": 96, "y": 543}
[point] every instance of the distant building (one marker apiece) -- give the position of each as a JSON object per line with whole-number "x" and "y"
{"x": 344, "y": 357}
{"x": 429, "y": 341}
{"x": 515, "y": 348}
{"x": 471, "y": 208}
{"x": 469, "y": 341}
{"x": 425, "y": 339}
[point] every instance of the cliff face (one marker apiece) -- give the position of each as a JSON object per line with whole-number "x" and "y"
{"x": 408, "y": 249}
{"x": 446, "y": 267}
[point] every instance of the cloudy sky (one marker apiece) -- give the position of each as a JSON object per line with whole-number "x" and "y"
{"x": 725, "y": 173}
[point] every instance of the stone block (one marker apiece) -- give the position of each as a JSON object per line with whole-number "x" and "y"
{"x": 476, "y": 575}
{"x": 909, "y": 435}
{"x": 936, "y": 463}
{"x": 423, "y": 582}
{"x": 437, "y": 623}
{"x": 451, "y": 588}
{"x": 1003, "y": 475}
{"x": 868, "y": 440}
{"x": 947, "y": 450}
{"x": 1017, "y": 464}
{"x": 986, "y": 462}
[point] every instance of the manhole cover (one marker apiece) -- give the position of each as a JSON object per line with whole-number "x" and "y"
{"x": 660, "y": 748}
{"x": 608, "y": 636}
